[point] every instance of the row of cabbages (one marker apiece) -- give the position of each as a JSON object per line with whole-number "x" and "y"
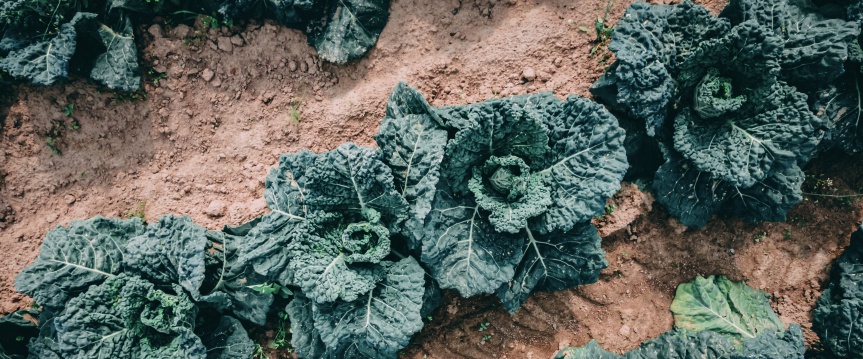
{"x": 492, "y": 197}
{"x": 43, "y": 41}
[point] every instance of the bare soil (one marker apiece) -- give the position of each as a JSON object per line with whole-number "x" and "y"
{"x": 203, "y": 140}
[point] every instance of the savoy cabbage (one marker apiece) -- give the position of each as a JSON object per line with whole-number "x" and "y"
{"x": 165, "y": 290}
{"x": 724, "y": 97}
{"x": 838, "y": 314}
{"x": 334, "y": 234}
{"x": 714, "y": 318}
{"x": 43, "y": 41}
{"x": 508, "y": 197}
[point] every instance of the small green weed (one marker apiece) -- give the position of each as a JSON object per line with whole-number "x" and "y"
{"x": 272, "y": 288}
{"x": 280, "y": 340}
{"x": 138, "y": 211}
{"x": 759, "y": 237}
{"x": 294, "y": 110}
{"x": 486, "y": 337}
{"x": 54, "y": 137}
{"x": 483, "y": 326}
{"x": 130, "y": 96}
{"x": 69, "y": 110}
{"x": 603, "y": 32}
{"x": 259, "y": 352}
{"x": 156, "y": 76}
{"x": 788, "y": 233}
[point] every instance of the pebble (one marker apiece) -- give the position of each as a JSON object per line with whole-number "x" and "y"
{"x": 236, "y": 40}
{"x": 70, "y": 199}
{"x": 528, "y": 74}
{"x": 156, "y": 31}
{"x": 207, "y": 75}
{"x": 292, "y": 65}
{"x": 216, "y": 209}
{"x": 182, "y": 31}
{"x": 225, "y": 44}
{"x": 624, "y": 330}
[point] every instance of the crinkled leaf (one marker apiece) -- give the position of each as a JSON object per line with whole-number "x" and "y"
{"x": 74, "y": 258}
{"x": 46, "y": 345}
{"x": 586, "y": 163}
{"x": 688, "y": 194}
{"x": 43, "y": 62}
{"x": 555, "y": 261}
{"x": 692, "y": 196}
{"x": 789, "y": 345}
{"x": 227, "y": 280}
{"x": 324, "y": 266}
{"x": 347, "y": 29}
{"x": 267, "y": 247}
{"x": 838, "y": 322}
{"x": 285, "y": 189}
{"x": 412, "y": 144}
{"x": 117, "y": 67}
{"x": 305, "y": 338}
{"x": 591, "y": 350}
{"x": 351, "y": 180}
{"x": 649, "y": 42}
{"x": 814, "y": 47}
{"x": 171, "y": 251}
{"x": 505, "y": 187}
{"x": 684, "y": 344}
{"x": 226, "y": 339}
{"x": 125, "y": 317}
{"x": 771, "y": 129}
{"x": 839, "y": 105}
{"x": 461, "y": 248}
{"x": 838, "y": 314}
{"x": 498, "y": 127}
{"x": 381, "y": 322}
{"x": 722, "y": 306}
{"x": 768, "y": 200}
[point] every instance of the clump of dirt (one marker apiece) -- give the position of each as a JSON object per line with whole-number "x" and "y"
{"x": 203, "y": 136}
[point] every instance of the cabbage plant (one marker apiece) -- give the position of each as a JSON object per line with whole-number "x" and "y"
{"x": 170, "y": 289}
{"x": 336, "y": 224}
{"x": 517, "y": 183}
{"x": 725, "y": 97}
{"x": 714, "y": 318}
{"x": 838, "y": 314}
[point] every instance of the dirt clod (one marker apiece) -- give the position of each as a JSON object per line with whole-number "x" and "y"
{"x": 528, "y": 74}
{"x": 225, "y": 44}
{"x": 216, "y": 208}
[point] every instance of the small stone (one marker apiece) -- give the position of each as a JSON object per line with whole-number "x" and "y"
{"x": 624, "y": 330}
{"x": 225, "y": 44}
{"x": 70, "y": 199}
{"x": 558, "y": 62}
{"x": 182, "y": 31}
{"x": 528, "y": 74}
{"x": 207, "y": 75}
{"x": 236, "y": 40}
{"x": 216, "y": 209}
{"x": 292, "y": 65}
{"x": 633, "y": 238}
{"x": 51, "y": 218}
{"x": 156, "y": 31}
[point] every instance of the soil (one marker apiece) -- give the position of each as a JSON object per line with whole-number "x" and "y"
{"x": 232, "y": 100}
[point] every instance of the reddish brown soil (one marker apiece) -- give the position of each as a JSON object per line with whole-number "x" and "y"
{"x": 202, "y": 145}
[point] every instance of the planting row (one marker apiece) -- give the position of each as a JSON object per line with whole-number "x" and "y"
{"x": 43, "y": 41}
